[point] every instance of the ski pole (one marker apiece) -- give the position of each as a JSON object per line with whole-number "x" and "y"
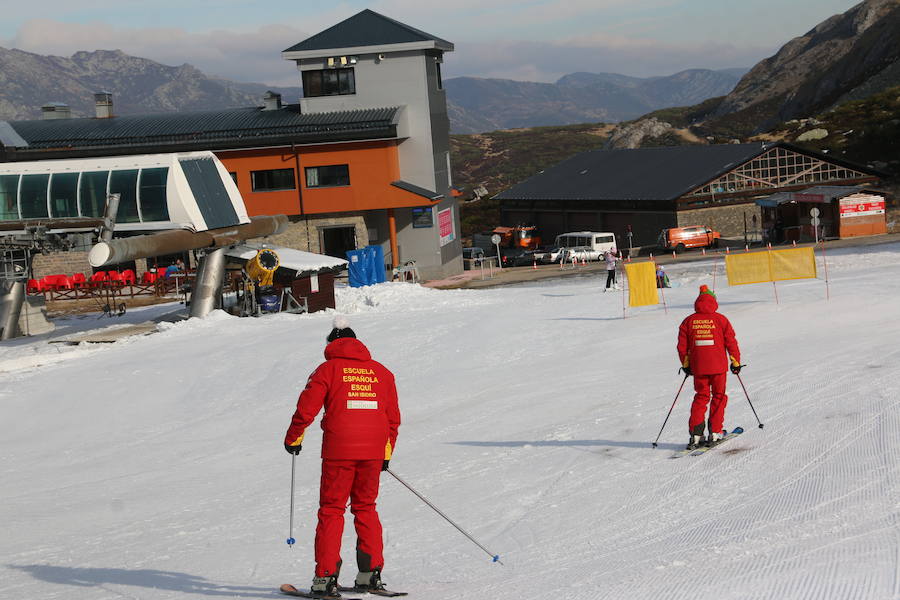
{"x": 494, "y": 557}
{"x": 748, "y": 400}
{"x": 291, "y": 540}
{"x": 670, "y": 409}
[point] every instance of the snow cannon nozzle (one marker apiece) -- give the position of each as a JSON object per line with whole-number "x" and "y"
{"x": 760, "y": 425}
{"x": 291, "y": 541}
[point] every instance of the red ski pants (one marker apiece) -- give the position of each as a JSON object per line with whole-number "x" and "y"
{"x": 703, "y": 384}
{"x": 356, "y": 480}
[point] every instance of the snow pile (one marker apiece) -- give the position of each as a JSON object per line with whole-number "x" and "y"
{"x": 154, "y": 468}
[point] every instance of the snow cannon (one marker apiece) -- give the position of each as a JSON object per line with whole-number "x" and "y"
{"x": 261, "y": 271}
{"x": 261, "y": 268}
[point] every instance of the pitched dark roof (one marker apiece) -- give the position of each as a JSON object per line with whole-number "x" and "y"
{"x": 241, "y": 127}
{"x": 366, "y": 28}
{"x": 663, "y": 173}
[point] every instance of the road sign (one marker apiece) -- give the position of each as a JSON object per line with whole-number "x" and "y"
{"x": 495, "y": 239}
{"x": 814, "y": 212}
{"x": 815, "y": 221}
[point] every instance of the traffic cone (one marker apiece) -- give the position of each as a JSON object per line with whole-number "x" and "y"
{"x": 534, "y": 263}
{"x": 727, "y": 250}
{"x": 583, "y": 261}
{"x": 704, "y": 251}
{"x": 746, "y": 248}
{"x": 673, "y": 254}
{"x": 794, "y": 242}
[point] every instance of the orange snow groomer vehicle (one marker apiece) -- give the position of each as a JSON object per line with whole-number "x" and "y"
{"x": 680, "y": 238}
{"x": 520, "y": 236}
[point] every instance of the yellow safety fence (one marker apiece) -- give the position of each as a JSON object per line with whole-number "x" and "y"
{"x": 642, "y": 284}
{"x": 773, "y": 265}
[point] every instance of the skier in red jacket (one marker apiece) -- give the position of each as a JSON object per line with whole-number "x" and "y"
{"x": 706, "y": 344}
{"x": 360, "y": 432}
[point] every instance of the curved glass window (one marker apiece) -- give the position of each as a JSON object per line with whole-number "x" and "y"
{"x": 93, "y": 193}
{"x": 9, "y": 192}
{"x": 124, "y": 183}
{"x": 64, "y": 195}
{"x": 153, "y": 194}
{"x": 34, "y": 196}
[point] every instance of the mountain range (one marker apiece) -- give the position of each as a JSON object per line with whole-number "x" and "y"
{"x": 478, "y": 105}
{"x": 140, "y": 85}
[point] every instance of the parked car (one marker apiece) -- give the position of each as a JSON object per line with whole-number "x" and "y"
{"x": 472, "y": 257}
{"x": 680, "y": 238}
{"x": 592, "y": 243}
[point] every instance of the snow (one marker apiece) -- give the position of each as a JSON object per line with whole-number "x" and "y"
{"x": 153, "y": 468}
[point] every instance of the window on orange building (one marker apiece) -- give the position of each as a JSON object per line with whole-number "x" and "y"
{"x": 272, "y": 180}
{"x": 327, "y": 176}
{"x": 329, "y": 82}
{"x": 233, "y": 176}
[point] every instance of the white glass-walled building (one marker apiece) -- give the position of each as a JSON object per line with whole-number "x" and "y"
{"x": 157, "y": 191}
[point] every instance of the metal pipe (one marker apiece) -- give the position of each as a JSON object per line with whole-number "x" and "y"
{"x": 122, "y": 250}
{"x": 109, "y": 217}
{"x": 10, "y": 309}
{"x": 208, "y": 285}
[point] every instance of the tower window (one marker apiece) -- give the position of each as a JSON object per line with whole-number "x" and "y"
{"x": 329, "y": 82}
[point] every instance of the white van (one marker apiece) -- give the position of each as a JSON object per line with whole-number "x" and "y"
{"x": 595, "y": 242}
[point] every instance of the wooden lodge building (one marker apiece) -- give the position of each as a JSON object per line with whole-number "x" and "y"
{"x": 649, "y": 189}
{"x": 361, "y": 159}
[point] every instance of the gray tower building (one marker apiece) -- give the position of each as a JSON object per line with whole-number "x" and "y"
{"x": 371, "y": 61}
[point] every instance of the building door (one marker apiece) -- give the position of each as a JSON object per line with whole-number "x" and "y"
{"x": 336, "y": 241}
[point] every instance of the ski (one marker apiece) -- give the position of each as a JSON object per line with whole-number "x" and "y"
{"x": 385, "y": 593}
{"x": 290, "y": 590}
{"x": 728, "y": 436}
{"x": 704, "y": 449}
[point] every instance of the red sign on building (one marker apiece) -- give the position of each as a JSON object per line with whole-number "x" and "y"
{"x": 862, "y": 206}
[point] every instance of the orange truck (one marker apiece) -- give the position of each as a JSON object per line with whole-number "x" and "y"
{"x": 517, "y": 244}
{"x": 520, "y": 236}
{"x": 681, "y": 238}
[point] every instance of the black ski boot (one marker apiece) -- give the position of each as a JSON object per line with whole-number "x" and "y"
{"x": 714, "y": 438}
{"x": 695, "y": 442}
{"x": 369, "y": 580}
{"x": 325, "y": 587}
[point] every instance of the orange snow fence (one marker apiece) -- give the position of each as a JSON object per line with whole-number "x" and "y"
{"x": 642, "y": 284}
{"x": 775, "y": 265}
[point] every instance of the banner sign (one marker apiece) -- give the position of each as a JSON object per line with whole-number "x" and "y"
{"x": 642, "y": 289}
{"x": 862, "y": 206}
{"x": 445, "y": 226}
{"x": 772, "y": 265}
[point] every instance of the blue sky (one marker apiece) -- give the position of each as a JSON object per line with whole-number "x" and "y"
{"x": 535, "y": 40}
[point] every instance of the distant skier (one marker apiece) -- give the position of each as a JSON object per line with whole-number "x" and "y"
{"x": 360, "y": 424}
{"x": 610, "y": 258}
{"x": 662, "y": 280}
{"x": 706, "y": 345}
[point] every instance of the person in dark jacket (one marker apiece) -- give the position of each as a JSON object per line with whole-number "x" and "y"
{"x": 706, "y": 346}
{"x": 360, "y": 426}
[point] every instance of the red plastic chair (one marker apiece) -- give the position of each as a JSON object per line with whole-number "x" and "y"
{"x": 78, "y": 280}
{"x": 128, "y": 277}
{"x": 115, "y": 278}
{"x": 33, "y": 287}
{"x": 148, "y": 277}
{"x": 48, "y": 283}
{"x": 99, "y": 279}
{"x": 64, "y": 282}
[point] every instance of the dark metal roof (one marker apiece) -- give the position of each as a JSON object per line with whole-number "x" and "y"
{"x": 241, "y": 127}
{"x": 662, "y": 173}
{"x": 419, "y": 191}
{"x": 366, "y": 28}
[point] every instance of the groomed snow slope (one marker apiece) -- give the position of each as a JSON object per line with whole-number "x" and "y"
{"x": 153, "y": 468}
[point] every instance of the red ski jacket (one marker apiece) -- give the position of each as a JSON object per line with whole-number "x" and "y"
{"x": 705, "y": 337}
{"x": 360, "y": 399}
